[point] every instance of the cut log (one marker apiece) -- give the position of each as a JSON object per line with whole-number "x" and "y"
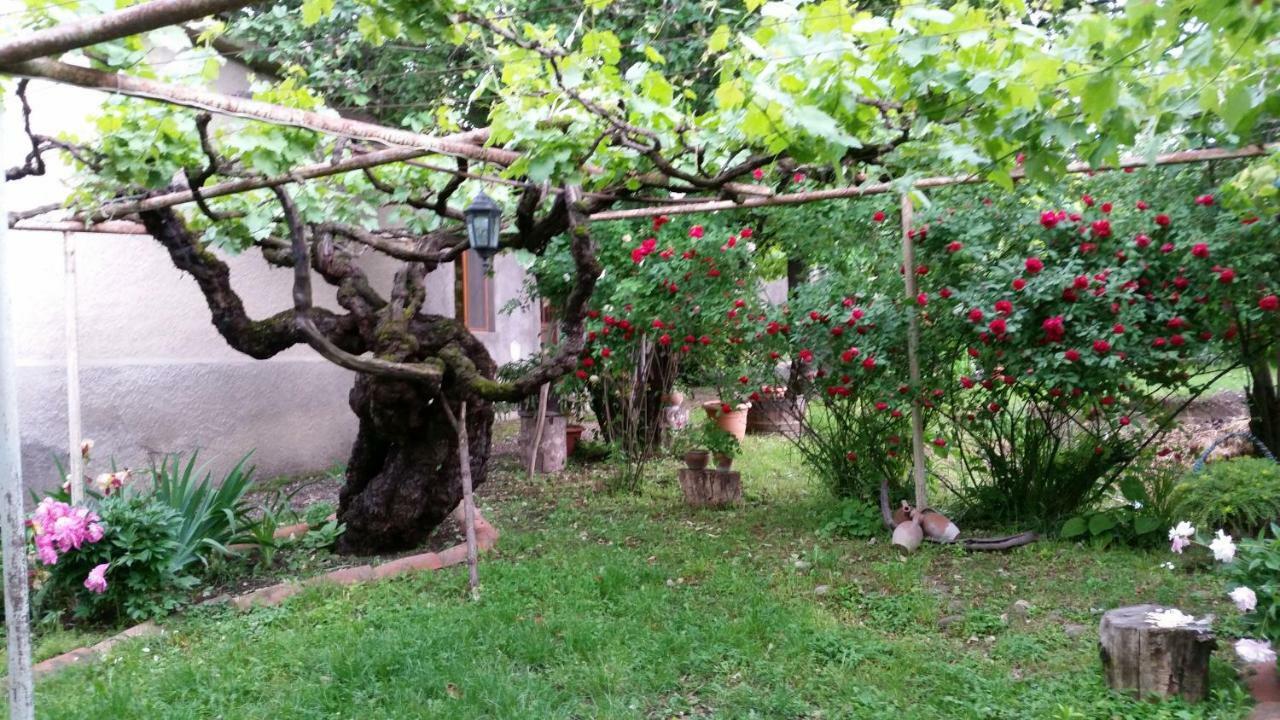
{"x": 1145, "y": 660}
{"x": 711, "y": 488}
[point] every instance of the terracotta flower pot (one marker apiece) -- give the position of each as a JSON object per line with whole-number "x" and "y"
{"x": 908, "y": 536}
{"x": 938, "y": 527}
{"x": 572, "y": 433}
{"x": 696, "y": 459}
{"x": 675, "y": 399}
{"x": 733, "y": 422}
{"x": 723, "y": 462}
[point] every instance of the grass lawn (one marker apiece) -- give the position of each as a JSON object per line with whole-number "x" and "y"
{"x": 604, "y": 606}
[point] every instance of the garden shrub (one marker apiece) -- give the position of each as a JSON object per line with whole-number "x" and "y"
{"x": 853, "y": 518}
{"x": 1241, "y": 495}
{"x": 143, "y": 576}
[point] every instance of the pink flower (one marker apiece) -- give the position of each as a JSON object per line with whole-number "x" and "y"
{"x": 695, "y": 232}
{"x": 96, "y": 581}
{"x": 758, "y": 174}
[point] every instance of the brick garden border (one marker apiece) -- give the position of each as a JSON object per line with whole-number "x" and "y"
{"x": 486, "y": 536}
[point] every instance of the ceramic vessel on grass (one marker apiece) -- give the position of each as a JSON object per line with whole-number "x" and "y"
{"x": 733, "y": 422}
{"x": 696, "y": 459}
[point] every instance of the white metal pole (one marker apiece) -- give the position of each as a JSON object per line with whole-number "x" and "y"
{"x": 913, "y": 355}
{"x": 74, "y": 436}
{"x": 17, "y": 612}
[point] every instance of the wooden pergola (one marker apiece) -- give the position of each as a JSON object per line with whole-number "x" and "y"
{"x": 29, "y": 56}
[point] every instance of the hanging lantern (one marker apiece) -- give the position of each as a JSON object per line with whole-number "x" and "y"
{"x": 484, "y": 219}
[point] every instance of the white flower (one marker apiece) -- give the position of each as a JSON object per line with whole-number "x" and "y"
{"x": 626, "y": 238}
{"x": 1244, "y": 598}
{"x": 1137, "y": 504}
{"x": 1167, "y": 565}
{"x": 1180, "y": 536}
{"x": 1255, "y": 651}
{"x": 1171, "y": 618}
{"x": 1223, "y": 549}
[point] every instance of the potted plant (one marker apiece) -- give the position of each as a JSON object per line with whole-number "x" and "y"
{"x": 722, "y": 444}
{"x": 730, "y": 418}
{"x": 687, "y": 445}
{"x": 575, "y": 400}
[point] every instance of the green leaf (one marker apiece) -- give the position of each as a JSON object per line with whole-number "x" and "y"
{"x": 1144, "y": 524}
{"x": 719, "y": 39}
{"x": 1075, "y": 527}
{"x": 1237, "y": 106}
{"x": 313, "y": 11}
{"x": 1133, "y": 490}
{"x": 596, "y": 6}
{"x": 1101, "y": 523}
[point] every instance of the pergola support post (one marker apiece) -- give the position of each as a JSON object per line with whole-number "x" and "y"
{"x": 913, "y": 353}
{"x": 75, "y": 463}
{"x": 17, "y": 610}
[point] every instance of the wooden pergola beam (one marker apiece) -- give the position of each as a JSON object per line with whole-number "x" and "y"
{"x": 118, "y": 83}
{"x": 855, "y": 191}
{"x": 101, "y": 28}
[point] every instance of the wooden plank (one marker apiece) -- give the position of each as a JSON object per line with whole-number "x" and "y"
{"x": 913, "y": 354}
{"x": 101, "y": 28}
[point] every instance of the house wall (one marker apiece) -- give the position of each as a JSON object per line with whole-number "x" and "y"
{"x": 155, "y": 375}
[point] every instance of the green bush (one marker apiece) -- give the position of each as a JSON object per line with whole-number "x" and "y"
{"x": 212, "y": 515}
{"x": 144, "y": 579}
{"x": 1257, "y": 567}
{"x": 1241, "y": 496}
{"x": 854, "y": 519}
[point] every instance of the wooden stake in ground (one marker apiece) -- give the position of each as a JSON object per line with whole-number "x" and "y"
{"x": 75, "y": 465}
{"x": 468, "y": 502}
{"x": 537, "y": 432}
{"x": 913, "y": 354}
{"x": 13, "y": 534}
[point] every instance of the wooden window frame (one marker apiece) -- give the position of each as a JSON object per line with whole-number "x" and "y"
{"x": 462, "y": 299}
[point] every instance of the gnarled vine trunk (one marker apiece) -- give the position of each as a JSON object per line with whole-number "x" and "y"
{"x": 403, "y": 476}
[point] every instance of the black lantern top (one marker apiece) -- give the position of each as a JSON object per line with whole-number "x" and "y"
{"x": 484, "y": 220}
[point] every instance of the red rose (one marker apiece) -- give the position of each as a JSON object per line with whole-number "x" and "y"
{"x": 1159, "y": 342}
{"x": 746, "y": 233}
{"x": 1177, "y": 340}
{"x": 1081, "y": 282}
{"x": 939, "y": 442}
{"x": 1142, "y": 240}
{"x": 744, "y": 379}
{"x": 695, "y": 232}
{"x": 582, "y": 374}
{"x": 966, "y": 382}
{"x": 1088, "y": 201}
{"x": 1034, "y": 265}
{"x": 657, "y": 323}
{"x": 1269, "y": 303}
{"x": 975, "y": 315}
{"x": 758, "y": 174}
{"x": 1055, "y": 328}
{"x": 1142, "y": 205}
{"x": 879, "y": 216}
{"x": 1101, "y": 347}
{"x": 806, "y": 356}
{"x": 1166, "y": 248}
{"x": 922, "y": 299}
{"x": 659, "y": 221}
{"x": 1019, "y": 283}
{"x": 954, "y": 247}
{"x": 705, "y": 340}
{"x": 798, "y": 177}
{"x": 1004, "y": 307}
{"x": 773, "y": 355}
{"x": 1124, "y": 420}
{"x": 997, "y": 326}
{"x": 1106, "y": 207}
{"x": 1101, "y": 228}
{"x": 665, "y": 339}
{"x": 1048, "y": 219}
{"x": 922, "y": 270}
{"x": 869, "y": 363}
{"x": 1117, "y": 329}
{"x": 1227, "y": 276}
{"x": 944, "y": 293}
{"x": 1205, "y": 200}
{"x": 1200, "y": 250}
{"x": 1072, "y": 355}
{"x": 1162, "y": 220}
{"x": 588, "y": 362}
{"x": 882, "y": 405}
{"x": 851, "y": 456}
{"x": 725, "y": 408}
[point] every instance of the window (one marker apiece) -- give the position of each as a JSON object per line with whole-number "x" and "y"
{"x": 475, "y": 293}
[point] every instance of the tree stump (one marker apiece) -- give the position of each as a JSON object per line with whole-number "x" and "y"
{"x": 711, "y": 487}
{"x": 1147, "y": 660}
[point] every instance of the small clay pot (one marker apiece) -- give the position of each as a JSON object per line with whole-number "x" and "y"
{"x": 572, "y": 433}
{"x": 733, "y": 422}
{"x": 938, "y": 527}
{"x": 723, "y": 462}
{"x": 696, "y": 459}
{"x": 908, "y": 536}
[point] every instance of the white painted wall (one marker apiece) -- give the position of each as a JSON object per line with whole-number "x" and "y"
{"x": 156, "y": 376}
